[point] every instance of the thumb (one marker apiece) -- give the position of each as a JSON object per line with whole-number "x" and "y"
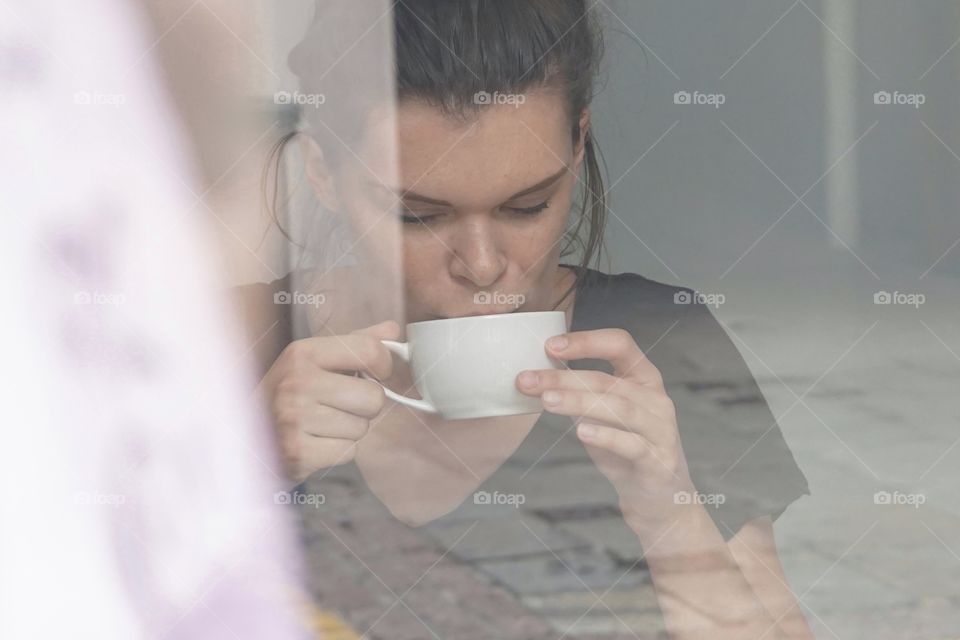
{"x": 386, "y": 330}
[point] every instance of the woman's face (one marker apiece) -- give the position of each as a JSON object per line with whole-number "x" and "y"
{"x": 485, "y": 204}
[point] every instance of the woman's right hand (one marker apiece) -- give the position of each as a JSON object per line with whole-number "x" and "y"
{"x": 320, "y": 410}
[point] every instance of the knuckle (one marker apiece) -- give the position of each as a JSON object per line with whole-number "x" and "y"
{"x": 290, "y": 387}
{"x": 656, "y": 376}
{"x": 667, "y": 407}
{"x": 622, "y": 337}
{"x": 366, "y": 346}
{"x": 359, "y": 427}
{"x": 290, "y": 452}
{"x": 374, "y": 400}
{"x": 288, "y": 418}
{"x": 627, "y": 412}
{"x": 374, "y": 355}
{"x": 297, "y": 354}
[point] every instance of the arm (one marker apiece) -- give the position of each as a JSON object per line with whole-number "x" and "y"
{"x": 755, "y": 550}
{"x": 703, "y": 589}
{"x": 628, "y": 425}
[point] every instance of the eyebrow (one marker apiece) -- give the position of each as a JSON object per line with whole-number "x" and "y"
{"x": 406, "y": 194}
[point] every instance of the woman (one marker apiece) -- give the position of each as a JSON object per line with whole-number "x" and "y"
{"x": 487, "y": 191}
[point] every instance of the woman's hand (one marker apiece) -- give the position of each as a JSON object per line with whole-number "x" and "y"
{"x": 319, "y": 409}
{"x": 626, "y": 420}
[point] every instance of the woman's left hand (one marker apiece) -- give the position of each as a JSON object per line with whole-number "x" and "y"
{"x": 626, "y": 420}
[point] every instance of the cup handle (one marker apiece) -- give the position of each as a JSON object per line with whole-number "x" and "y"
{"x": 402, "y": 349}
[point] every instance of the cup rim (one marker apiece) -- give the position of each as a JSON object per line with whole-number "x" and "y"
{"x": 485, "y": 316}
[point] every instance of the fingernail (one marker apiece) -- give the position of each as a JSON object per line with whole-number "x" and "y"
{"x": 528, "y": 379}
{"x": 558, "y": 343}
{"x": 551, "y": 397}
{"x": 586, "y": 431}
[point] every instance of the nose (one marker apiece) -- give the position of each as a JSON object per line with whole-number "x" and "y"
{"x": 477, "y": 257}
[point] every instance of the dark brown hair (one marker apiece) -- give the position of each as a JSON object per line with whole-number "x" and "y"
{"x": 446, "y": 52}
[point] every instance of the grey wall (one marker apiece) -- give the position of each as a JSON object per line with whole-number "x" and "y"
{"x": 700, "y": 199}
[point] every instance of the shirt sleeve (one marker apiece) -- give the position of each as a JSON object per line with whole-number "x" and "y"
{"x": 737, "y": 456}
{"x": 266, "y": 320}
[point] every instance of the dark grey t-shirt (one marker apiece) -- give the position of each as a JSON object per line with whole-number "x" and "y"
{"x": 546, "y": 527}
{"x": 736, "y": 453}
{"x": 733, "y": 444}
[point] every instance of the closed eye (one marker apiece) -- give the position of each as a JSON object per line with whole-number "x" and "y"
{"x": 531, "y": 210}
{"x": 522, "y": 211}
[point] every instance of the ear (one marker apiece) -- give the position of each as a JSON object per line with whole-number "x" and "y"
{"x": 578, "y": 151}
{"x": 318, "y": 172}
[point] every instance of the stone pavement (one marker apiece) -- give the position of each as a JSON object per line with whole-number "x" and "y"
{"x": 873, "y": 552}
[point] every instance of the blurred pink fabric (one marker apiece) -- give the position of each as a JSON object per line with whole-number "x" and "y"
{"x": 137, "y": 480}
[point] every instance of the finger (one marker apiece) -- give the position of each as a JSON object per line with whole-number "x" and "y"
{"x": 386, "y": 330}
{"x": 326, "y": 422}
{"x": 614, "y": 345}
{"x": 319, "y": 453}
{"x": 349, "y": 353}
{"x": 363, "y": 398}
{"x": 626, "y": 444}
{"x": 301, "y": 392}
{"x": 609, "y": 409}
{"x": 537, "y": 381}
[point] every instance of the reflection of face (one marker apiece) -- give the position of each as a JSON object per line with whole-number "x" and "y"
{"x": 485, "y": 204}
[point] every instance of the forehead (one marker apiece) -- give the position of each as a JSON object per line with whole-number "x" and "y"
{"x": 504, "y": 145}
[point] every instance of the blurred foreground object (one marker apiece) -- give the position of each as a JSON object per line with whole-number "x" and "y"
{"x": 138, "y": 485}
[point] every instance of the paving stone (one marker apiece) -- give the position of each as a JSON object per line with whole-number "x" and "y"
{"x": 927, "y": 620}
{"x": 914, "y": 549}
{"x": 620, "y": 600}
{"x": 611, "y": 534}
{"x": 358, "y": 575}
{"x": 502, "y": 537}
{"x": 557, "y": 486}
{"x": 552, "y": 442}
{"x": 578, "y": 512}
{"x": 891, "y": 400}
{"x": 826, "y": 584}
{"x": 574, "y": 570}
{"x": 896, "y": 463}
{"x": 629, "y": 626}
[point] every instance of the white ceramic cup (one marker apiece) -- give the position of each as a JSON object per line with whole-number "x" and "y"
{"x": 467, "y": 367}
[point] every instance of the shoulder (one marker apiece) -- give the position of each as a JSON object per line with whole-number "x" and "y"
{"x": 621, "y": 299}
{"x": 281, "y": 310}
{"x": 673, "y": 324}
{"x": 646, "y": 291}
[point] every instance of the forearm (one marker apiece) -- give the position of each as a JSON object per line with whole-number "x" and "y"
{"x": 700, "y": 588}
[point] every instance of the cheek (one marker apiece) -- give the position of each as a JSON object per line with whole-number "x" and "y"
{"x": 423, "y": 260}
